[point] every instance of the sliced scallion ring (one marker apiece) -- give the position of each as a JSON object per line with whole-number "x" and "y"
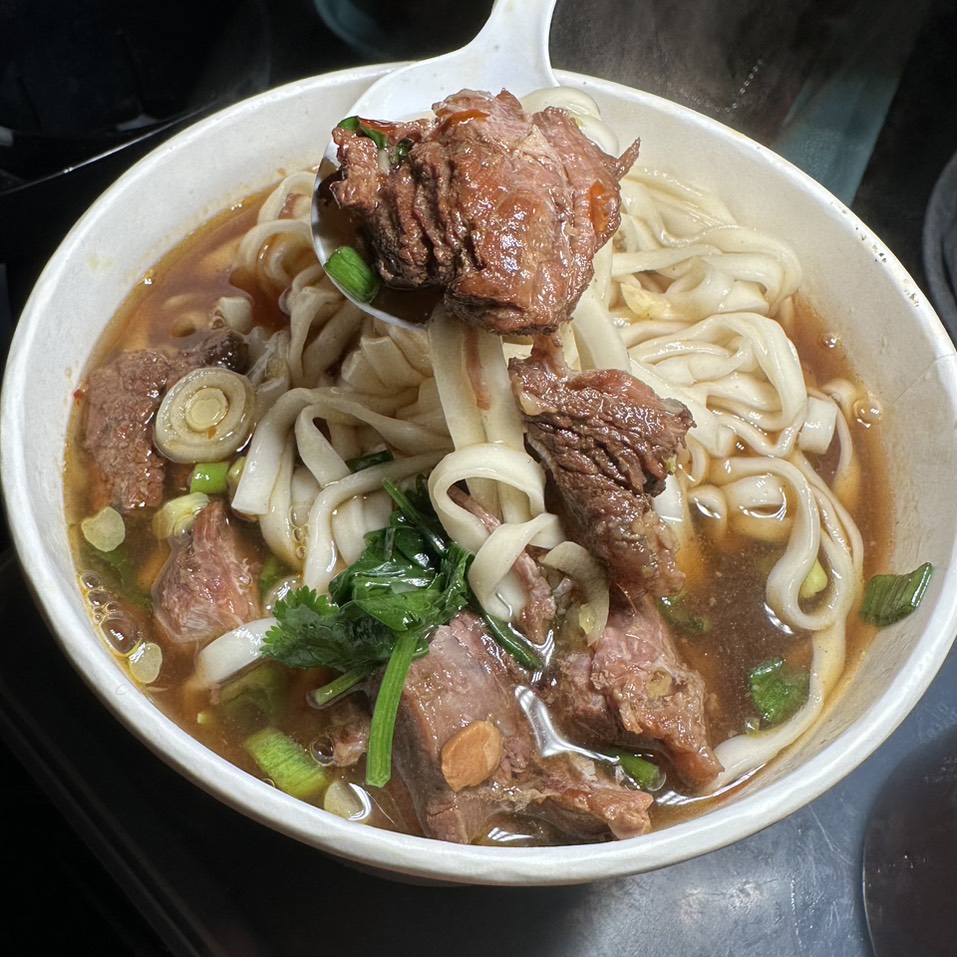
{"x": 353, "y": 275}
{"x": 206, "y": 416}
{"x": 177, "y": 515}
{"x": 888, "y": 598}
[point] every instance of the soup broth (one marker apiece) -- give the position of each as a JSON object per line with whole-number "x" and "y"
{"x": 722, "y": 625}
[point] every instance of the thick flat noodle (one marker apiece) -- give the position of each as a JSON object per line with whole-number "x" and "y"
{"x": 607, "y": 442}
{"x": 210, "y": 584}
{"x": 503, "y": 209}
{"x": 631, "y": 687}
{"x": 465, "y": 680}
{"x": 538, "y": 613}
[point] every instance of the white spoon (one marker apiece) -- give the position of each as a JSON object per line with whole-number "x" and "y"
{"x": 510, "y": 53}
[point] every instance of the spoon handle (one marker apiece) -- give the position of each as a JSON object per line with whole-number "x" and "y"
{"x": 510, "y": 51}
{"x": 520, "y": 28}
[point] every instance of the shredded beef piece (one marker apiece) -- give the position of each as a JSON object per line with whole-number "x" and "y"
{"x": 630, "y": 687}
{"x": 121, "y": 399}
{"x": 348, "y": 724}
{"x": 464, "y": 679}
{"x": 607, "y": 441}
{"x": 210, "y": 583}
{"x": 503, "y": 210}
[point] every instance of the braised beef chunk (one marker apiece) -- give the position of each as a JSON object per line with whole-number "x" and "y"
{"x": 210, "y": 583}
{"x": 631, "y": 687}
{"x": 120, "y": 402}
{"x": 607, "y": 442}
{"x": 502, "y": 209}
{"x": 465, "y": 749}
{"x": 220, "y": 346}
{"x": 121, "y": 398}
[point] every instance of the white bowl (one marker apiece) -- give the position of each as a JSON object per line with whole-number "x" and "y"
{"x": 896, "y": 341}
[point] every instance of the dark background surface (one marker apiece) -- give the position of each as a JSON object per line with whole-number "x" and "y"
{"x": 106, "y": 847}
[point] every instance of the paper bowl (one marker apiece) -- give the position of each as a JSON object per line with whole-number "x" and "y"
{"x": 895, "y": 340}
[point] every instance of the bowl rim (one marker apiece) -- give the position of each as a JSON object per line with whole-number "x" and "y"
{"x": 408, "y": 855}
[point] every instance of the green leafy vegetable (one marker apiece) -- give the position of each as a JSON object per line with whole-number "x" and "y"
{"x": 361, "y": 462}
{"x": 353, "y": 274}
{"x": 888, "y": 598}
{"x": 380, "y": 610}
{"x": 677, "y": 611}
{"x": 778, "y": 690}
{"x": 420, "y": 515}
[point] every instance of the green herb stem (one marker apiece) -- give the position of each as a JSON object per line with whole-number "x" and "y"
{"x": 519, "y": 647}
{"x": 382, "y": 729}
{"x": 337, "y": 687}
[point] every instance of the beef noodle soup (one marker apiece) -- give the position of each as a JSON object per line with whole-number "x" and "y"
{"x": 510, "y": 585}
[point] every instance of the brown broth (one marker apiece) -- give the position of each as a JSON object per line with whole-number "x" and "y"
{"x": 189, "y": 281}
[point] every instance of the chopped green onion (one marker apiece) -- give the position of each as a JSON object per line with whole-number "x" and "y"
{"x": 382, "y": 728}
{"x": 353, "y": 274}
{"x": 815, "y": 582}
{"x": 888, "y": 598}
{"x": 645, "y": 774}
{"x": 363, "y": 129}
{"x": 105, "y": 530}
{"x": 361, "y": 462}
{"x": 778, "y": 690}
{"x": 274, "y": 570}
{"x": 178, "y": 514}
{"x": 676, "y": 611}
{"x": 209, "y": 477}
{"x": 254, "y": 699}
{"x": 287, "y": 764}
{"x": 235, "y": 473}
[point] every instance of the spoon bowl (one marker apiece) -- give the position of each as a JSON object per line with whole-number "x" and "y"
{"x": 510, "y": 52}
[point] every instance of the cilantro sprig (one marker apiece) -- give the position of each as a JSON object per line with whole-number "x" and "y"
{"x": 381, "y": 610}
